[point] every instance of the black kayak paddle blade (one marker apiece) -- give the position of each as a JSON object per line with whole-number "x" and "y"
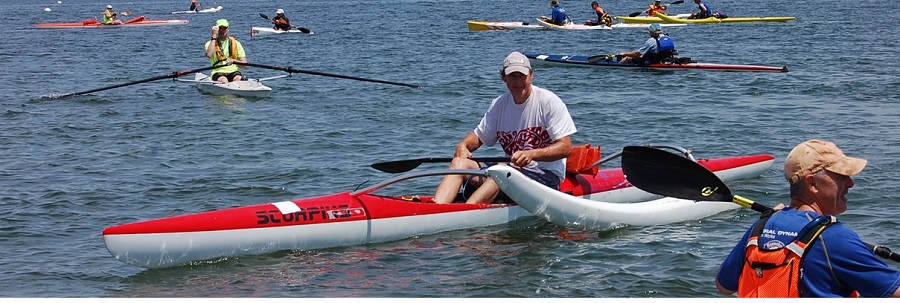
{"x": 667, "y": 174}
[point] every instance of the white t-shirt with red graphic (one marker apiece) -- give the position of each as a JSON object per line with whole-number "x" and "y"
{"x": 542, "y": 119}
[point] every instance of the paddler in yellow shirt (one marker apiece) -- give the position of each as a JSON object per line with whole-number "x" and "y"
{"x": 223, "y": 50}
{"x": 109, "y": 17}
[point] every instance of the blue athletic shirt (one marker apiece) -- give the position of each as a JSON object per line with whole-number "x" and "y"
{"x": 851, "y": 260}
{"x": 558, "y": 15}
{"x": 708, "y": 10}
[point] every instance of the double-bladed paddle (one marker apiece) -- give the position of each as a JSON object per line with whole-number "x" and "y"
{"x": 302, "y": 29}
{"x": 400, "y": 166}
{"x": 172, "y": 75}
{"x": 294, "y": 70}
{"x": 634, "y": 14}
{"x": 667, "y": 174}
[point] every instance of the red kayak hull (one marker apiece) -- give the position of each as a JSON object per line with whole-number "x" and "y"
{"x": 91, "y": 23}
{"x": 350, "y": 218}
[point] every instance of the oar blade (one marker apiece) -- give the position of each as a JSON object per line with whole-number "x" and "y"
{"x": 677, "y": 2}
{"x": 667, "y": 174}
{"x": 634, "y": 14}
{"x": 400, "y": 166}
{"x": 397, "y": 166}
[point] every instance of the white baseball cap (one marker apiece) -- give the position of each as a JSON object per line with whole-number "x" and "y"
{"x": 279, "y": 11}
{"x": 109, "y": 6}
{"x": 516, "y": 62}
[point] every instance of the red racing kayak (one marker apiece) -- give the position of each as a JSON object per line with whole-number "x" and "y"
{"x": 604, "y": 61}
{"x": 354, "y": 218}
{"x": 93, "y": 23}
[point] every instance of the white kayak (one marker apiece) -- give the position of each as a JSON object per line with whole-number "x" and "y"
{"x": 500, "y": 25}
{"x": 206, "y": 10}
{"x": 590, "y": 213}
{"x": 245, "y": 88}
{"x": 576, "y": 212}
{"x": 551, "y": 26}
{"x": 256, "y": 31}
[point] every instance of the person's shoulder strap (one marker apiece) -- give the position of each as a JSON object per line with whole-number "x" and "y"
{"x": 761, "y": 223}
{"x": 811, "y": 231}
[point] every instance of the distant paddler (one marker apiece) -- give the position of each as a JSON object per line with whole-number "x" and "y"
{"x": 109, "y": 17}
{"x": 281, "y": 21}
{"x": 655, "y": 8}
{"x": 603, "y": 18}
{"x": 223, "y": 50}
{"x": 196, "y": 6}
{"x": 704, "y": 12}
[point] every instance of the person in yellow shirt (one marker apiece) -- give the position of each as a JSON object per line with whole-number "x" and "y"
{"x": 109, "y": 17}
{"x": 223, "y": 50}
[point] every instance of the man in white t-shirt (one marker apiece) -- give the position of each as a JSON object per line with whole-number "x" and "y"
{"x": 532, "y": 125}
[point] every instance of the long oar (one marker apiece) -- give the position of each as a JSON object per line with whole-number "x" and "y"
{"x": 667, "y": 174}
{"x": 634, "y": 14}
{"x": 408, "y": 165}
{"x": 172, "y": 75}
{"x": 302, "y": 29}
{"x": 294, "y": 70}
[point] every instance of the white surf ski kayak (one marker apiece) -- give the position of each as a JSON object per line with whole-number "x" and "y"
{"x": 579, "y": 213}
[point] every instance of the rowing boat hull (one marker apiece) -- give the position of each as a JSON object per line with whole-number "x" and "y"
{"x": 202, "y": 11}
{"x": 586, "y": 61}
{"x": 669, "y": 19}
{"x": 256, "y": 31}
{"x": 552, "y": 26}
{"x": 348, "y": 218}
{"x": 579, "y": 213}
{"x": 501, "y": 25}
{"x": 139, "y": 21}
{"x": 248, "y": 88}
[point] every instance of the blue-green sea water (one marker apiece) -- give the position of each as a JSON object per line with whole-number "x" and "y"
{"x": 71, "y": 167}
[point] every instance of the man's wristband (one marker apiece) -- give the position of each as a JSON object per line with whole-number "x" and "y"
{"x": 213, "y": 39}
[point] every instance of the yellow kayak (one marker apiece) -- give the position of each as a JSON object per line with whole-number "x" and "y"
{"x": 670, "y": 19}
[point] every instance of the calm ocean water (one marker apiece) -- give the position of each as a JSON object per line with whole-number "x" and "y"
{"x": 75, "y": 166}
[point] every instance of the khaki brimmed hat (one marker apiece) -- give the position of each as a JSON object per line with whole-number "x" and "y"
{"x": 814, "y": 155}
{"x": 516, "y": 62}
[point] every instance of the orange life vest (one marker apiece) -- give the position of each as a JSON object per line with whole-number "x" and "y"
{"x": 654, "y": 9}
{"x": 232, "y": 49}
{"x": 776, "y": 273}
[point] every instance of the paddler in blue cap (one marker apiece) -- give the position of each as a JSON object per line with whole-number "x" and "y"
{"x": 223, "y": 50}
{"x": 657, "y": 48}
